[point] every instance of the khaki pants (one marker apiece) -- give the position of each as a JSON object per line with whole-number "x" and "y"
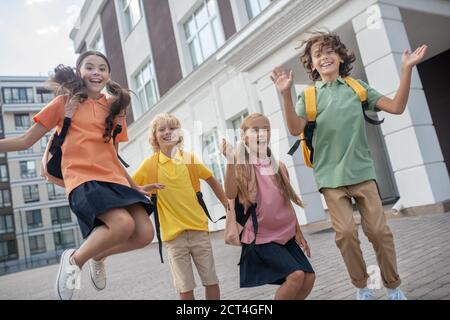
{"x": 373, "y": 222}
{"x": 191, "y": 246}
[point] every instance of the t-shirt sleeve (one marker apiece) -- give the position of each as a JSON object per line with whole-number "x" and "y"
{"x": 141, "y": 176}
{"x": 203, "y": 171}
{"x": 52, "y": 114}
{"x": 372, "y": 96}
{"x": 123, "y": 135}
{"x": 300, "y": 107}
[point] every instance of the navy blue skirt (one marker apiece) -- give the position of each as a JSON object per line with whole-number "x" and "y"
{"x": 92, "y": 198}
{"x": 271, "y": 263}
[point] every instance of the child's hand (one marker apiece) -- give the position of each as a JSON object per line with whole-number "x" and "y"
{"x": 282, "y": 80}
{"x": 227, "y": 150}
{"x": 153, "y": 186}
{"x": 303, "y": 244}
{"x": 409, "y": 60}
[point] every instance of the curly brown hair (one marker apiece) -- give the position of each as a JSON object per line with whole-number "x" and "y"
{"x": 327, "y": 39}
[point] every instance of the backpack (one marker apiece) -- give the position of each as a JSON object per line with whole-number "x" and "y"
{"x": 306, "y": 137}
{"x": 195, "y": 181}
{"x": 51, "y": 160}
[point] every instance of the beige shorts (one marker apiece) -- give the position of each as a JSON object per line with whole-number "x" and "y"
{"x": 195, "y": 244}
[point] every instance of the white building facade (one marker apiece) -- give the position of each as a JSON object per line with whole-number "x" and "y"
{"x": 208, "y": 63}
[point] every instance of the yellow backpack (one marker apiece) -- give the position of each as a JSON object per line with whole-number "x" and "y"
{"x": 195, "y": 181}
{"x": 306, "y": 137}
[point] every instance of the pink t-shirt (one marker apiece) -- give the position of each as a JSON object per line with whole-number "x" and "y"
{"x": 276, "y": 216}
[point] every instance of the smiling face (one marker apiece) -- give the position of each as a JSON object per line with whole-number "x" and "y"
{"x": 95, "y": 74}
{"x": 167, "y": 135}
{"x": 257, "y": 135}
{"x": 325, "y": 61}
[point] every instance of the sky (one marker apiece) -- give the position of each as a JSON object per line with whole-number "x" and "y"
{"x": 34, "y": 35}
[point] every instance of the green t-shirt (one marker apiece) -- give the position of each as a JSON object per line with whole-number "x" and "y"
{"x": 341, "y": 151}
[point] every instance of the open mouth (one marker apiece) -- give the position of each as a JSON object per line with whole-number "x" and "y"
{"x": 326, "y": 64}
{"x": 95, "y": 81}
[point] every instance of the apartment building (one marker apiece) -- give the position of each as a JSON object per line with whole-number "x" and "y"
{"x": 36, "y": 223}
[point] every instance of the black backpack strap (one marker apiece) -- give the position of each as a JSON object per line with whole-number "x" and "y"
{"x": 203, "y": 205}
{"x": 308, "y": 133}
{"x": 58, "y": 140}
{"x": 294, "y": 147}
{"x": 118, "y": 130}
{"x": 251, "y": 211}
{"x": 365, "y": 106}
{"x": 157, "y": 226}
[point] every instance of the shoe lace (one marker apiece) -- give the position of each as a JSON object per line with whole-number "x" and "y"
{"x": 73, "y": 279}
{"x": 99, "y": 269}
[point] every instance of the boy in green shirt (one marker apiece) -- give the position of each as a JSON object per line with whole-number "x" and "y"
{"x": 343, "y": 166}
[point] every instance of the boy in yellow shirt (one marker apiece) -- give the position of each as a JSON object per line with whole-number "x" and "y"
{"x": 183, "y": 222}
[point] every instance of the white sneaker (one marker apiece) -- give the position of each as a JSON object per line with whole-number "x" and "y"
{"x": 396, "y": 294}
{"x": 68, "y": 278}
{"x": 365, "y": 294}
{"x": 98, "y": 274}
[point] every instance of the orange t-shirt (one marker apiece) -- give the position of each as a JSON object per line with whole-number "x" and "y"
{"x": 86, "y": 157}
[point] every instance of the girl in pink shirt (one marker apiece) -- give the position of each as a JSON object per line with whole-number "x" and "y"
{"x": 261, "y": 187}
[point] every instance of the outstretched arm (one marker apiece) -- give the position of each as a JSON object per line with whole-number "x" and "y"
{"x": 25, "y": 141}
{"x": 283, "y": 82}
{"x": 218, "y": 191}
{"x": 398, "y": 104}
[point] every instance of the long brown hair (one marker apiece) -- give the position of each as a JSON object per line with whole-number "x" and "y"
{"x": 68, "y": 81}
{"x": 245, "y": 172}
{"x": 327, "y": 39}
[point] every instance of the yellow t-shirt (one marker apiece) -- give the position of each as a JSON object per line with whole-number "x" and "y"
{"x": 178, "y": 208}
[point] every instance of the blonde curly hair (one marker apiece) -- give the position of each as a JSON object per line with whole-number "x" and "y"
{"x": 168, "y": 120}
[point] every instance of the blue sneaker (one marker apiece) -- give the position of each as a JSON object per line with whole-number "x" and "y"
{"x": 365, "y": 294}
{"x": 395, "y": 294}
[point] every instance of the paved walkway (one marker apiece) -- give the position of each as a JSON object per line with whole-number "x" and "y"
{"x": 422, "y": 245}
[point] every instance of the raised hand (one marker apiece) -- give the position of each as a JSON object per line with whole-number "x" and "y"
{"x": 282, "y": 80}
{"x": 409, "y": 59}
{"x": 227, "y": 150}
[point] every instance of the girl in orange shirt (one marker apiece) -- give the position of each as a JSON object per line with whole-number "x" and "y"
{"x": 112, "y": 211}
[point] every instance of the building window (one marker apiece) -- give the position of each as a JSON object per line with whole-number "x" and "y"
{"x": 30, "y": 193}
{"x": 98, "y": 44}
{"x": 4, "y": 173}
{"x": 5, "y": 198}
{"x": 60, "y": 215}
{"x": 18, "y": 95}
{"x": 55, "y": 192}
{"x": 204, "y": 33}
{"x": 34, "y": 219}
{"x": 6, "y": 224}
{"x": 37, "y": 244}
{"x": 236, "y": 124}
{"x": 132, "y": 13}
{"x": 28, "y": 169}
{"x": 64, "y": 239}
{"x": 44, "y": 95}
{"x": 8, "y": 250}
{"x": 22, "y": 121}
{"x": 145, "y": 83}
{"x": 255, "y": 7}
{"x": 212, "y": 155}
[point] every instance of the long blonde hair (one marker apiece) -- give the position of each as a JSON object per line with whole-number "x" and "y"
{"x": 169, "y": 120}
{"x": 245, "y": 172}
